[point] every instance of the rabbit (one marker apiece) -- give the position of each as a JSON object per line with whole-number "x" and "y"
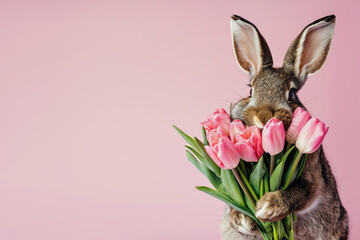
{"x": 314, "y": 196}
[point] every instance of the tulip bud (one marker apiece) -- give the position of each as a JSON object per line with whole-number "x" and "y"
{"x": 311, "y": 136}
{"x": 273, "y": 136}
{"x": 299, "y": 119}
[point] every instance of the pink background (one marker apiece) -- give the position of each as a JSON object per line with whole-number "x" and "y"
{"x": 89, "y": 91}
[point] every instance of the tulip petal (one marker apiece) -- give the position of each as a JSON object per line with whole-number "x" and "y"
{"x": 227, "y": 154}
{"x": 213, "y": 156}
{"x": 311, "y": 136}
{"x": 236, "y": 128}
{"x": 249, "y": 145}
{"x": 213, "y": 137}
{"x": 300, "y": 118}
{"x": 247, "y": 153}
{"x": 273, "y": 136}
{"x": 317, "y": 139}
{"x": 207, "y": 125}
{"x": 216, "y": 119}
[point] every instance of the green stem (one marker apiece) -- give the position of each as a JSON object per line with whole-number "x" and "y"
{"x": 291, "y": 234}
{"x": 292, "y": 170}
{"x": 243, "y": 167}
{"x": 275, "y": 233}
{"x": 272, "y": 163}
{"x": 248, "y": 184}
{"x": 243, "y": 186}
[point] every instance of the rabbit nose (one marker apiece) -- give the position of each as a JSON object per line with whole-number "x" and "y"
{"x": 262, "y": 117}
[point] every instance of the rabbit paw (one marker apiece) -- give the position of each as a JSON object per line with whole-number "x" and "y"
{"x": 271, "y": 207}
{"x": 242, "y": 223}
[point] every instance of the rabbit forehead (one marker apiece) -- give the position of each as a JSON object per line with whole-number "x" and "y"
{"x": 269, "y": 87}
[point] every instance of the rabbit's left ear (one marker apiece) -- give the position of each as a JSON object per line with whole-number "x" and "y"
{"x": 308, "y": 51}
{"x": 251, "y": 49}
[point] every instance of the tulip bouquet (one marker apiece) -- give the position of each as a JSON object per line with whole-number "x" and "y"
{"x": 244, "y": 163}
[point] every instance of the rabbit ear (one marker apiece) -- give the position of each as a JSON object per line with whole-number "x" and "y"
{"x": 251, "y": 49}
{"x": 308, "y": 51}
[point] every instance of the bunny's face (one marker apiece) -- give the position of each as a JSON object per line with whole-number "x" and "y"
{"x": 273, "y": 90}
{"x": 271, "y": 96}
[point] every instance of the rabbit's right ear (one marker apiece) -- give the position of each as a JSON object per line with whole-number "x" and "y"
{"x": 251, "y": 49}
{"x": 308, "y": 51}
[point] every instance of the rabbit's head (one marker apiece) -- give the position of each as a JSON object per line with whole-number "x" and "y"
{"x": 273, "y": 91}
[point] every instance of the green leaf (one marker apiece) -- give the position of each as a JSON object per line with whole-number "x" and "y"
{"x": 291, "y": 235}
{"x": 287, "y": 222}
{"x": 281, "y": 229}
{"x": 249, "y": 204}
{"x": 204, "y": 136}
{"x": 227, "y": 200}
{"x": 293, "y": 177}
{"x": 266, "y": 181}
{"x": 301, "y": 166}
{"x": 196, "y": 153}
{"x": 266, "y": 235}
{"x": 211, "y": 176}
{"x": 230, "y": 183}
{"x": 230, "y": 202}
{"x": 286, "y": 235}
{"x": 247, "y": 184}
{"x": 288, "y": 171}
{"x": 193, "y": 160}
{"x": 187, "y": 138}
{"x": 275, "y": 231}
{"x": 222, "y": 189}
{"x": 287, "y": 153}
{"x": 207, "y": 159}
{"x": 275, "y": 179}
{"x": 257, "y": 175}
{"x": 279, "y": 155}
{"x": 262, "y": 188}
{"x": 277, "y": 176}
{"x": 268, "y": 227}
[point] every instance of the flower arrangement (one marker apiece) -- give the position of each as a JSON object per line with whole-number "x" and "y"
{"x": 244, "y": 163}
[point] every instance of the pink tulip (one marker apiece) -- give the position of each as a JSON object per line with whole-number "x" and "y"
{"x": 248, "y": 144}
{"x": 299, "y": 119}
{"x": 221, "y": 149}
{"x": 219, "y": 118}
{"x": 273, "y": 136}
{"x": 214, "y": 136}
{"x": 236, "y": 128}
{"x": 311, "y": 136}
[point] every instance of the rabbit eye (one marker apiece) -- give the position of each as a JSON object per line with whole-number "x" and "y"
{"x": 291, "y": 95}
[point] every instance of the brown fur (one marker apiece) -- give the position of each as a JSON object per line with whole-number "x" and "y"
{"x": 314, "y": 196}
